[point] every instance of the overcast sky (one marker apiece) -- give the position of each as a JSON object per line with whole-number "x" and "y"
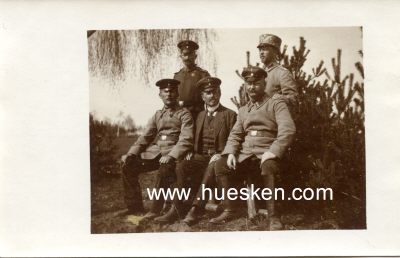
{"x": 141, "y": 102}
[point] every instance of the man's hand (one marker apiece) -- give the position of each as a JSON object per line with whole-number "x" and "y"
{"x": 166, "y": 159}
{"x": 189, "y": 156}
{"x": 215, "y": 157}
{"x": 231, "y": 162}
{"x": 125, "y": 157}
{"x": 266, "y": 156}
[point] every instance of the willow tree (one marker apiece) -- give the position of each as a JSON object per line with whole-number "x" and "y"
{"x": 146, "y": 55}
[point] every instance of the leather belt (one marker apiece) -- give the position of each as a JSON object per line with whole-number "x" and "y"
{"x": 256, "y": 133}
{"x": 168, "y": 137}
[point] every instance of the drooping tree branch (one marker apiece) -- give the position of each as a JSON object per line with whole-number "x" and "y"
{"x": 144, "y": 54}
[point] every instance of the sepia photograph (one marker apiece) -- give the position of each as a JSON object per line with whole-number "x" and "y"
{"x": 210, "y": 130}
{"x": 199, "y": 128}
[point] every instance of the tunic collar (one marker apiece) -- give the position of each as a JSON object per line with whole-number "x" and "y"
{"x": 170, "y": 110}
{"x": 257, "y": 104}
{"x": 186, "y": 69}
{"x": 270, "y": 66}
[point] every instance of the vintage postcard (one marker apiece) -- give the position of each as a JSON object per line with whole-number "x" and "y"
{"x": 300, "y": 154}
{"x": 199, "y": 128}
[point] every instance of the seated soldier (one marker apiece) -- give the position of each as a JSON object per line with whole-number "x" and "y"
{"x": 262, "y": 133}
{"x": 167, "y": 139}
{"x": 213, "y": 125}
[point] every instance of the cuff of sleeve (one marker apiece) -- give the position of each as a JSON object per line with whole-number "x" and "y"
{"x": 277, "y": 151}
{"x": 228, "y": 151}
{"x": 174, "y": 154}
{"x": 134, "y": 150}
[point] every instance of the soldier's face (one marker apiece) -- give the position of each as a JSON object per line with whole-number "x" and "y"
{"x": 256, "y": 89}
{"x": 188, "y": 59}
{"x": 169, "y": 96}
{"x": 211, "y": 96}
{"x": 267, "y": 54}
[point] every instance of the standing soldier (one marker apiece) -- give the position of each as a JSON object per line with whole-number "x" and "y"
{"x": 167, "y": 139}
{"x": 263, "y": 131}
{"x": 213, "y": 125}
{"x": 279, "y": 80}
{"x": 189, "y": 75}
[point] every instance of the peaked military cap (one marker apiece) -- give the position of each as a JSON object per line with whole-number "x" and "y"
{"x": 208, "y": 82}
{"x": 253, "y": 73}
{"x": 166, "y": 83}
{"x": 188, "y": 45}
{"x": 270, "y": 40}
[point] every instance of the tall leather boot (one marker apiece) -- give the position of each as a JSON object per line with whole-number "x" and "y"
{"x": 229, "y": 211}
{"x": 177, "y": 211}
{"x": 132, "y": 190}
{"x": 274, "y": 222}
{"x": 157, "y": 204}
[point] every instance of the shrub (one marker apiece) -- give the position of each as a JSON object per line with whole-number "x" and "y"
{"x": 102, "y": 148}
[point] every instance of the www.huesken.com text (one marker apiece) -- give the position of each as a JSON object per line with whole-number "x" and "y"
{"x": 250, "y": 192}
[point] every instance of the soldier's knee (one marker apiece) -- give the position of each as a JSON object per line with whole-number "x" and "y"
{"x": 270, "y": 167}
{"x": 210, "y": 171}
{"x": 221, "y": 168}
{"x": 131, "y": 165}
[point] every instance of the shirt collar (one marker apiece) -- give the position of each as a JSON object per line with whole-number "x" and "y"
{"x": 211, "y": 110}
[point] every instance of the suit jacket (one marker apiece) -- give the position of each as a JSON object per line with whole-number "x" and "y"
{"x": 272, "y": 118}
{"x": 224, "y": 120}
{"x": 173, "y": 131}
{"x": 280, "y": 80}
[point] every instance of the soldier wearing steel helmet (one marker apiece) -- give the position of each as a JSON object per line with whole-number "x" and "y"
{"x": 166, "y": 140}
{"x": 279, "y": 79}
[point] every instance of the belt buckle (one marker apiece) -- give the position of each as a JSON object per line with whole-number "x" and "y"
{"x": 253, "y": 132}
{"x": 163, "y": 137}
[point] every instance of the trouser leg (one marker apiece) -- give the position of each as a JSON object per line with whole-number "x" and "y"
{"x": 203, "y": 177}
{"x": 208, "y": 182}
{"x": 223, "y": 177}
{"x": 130, "y": 178}
{"x": 189, "y": 174}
